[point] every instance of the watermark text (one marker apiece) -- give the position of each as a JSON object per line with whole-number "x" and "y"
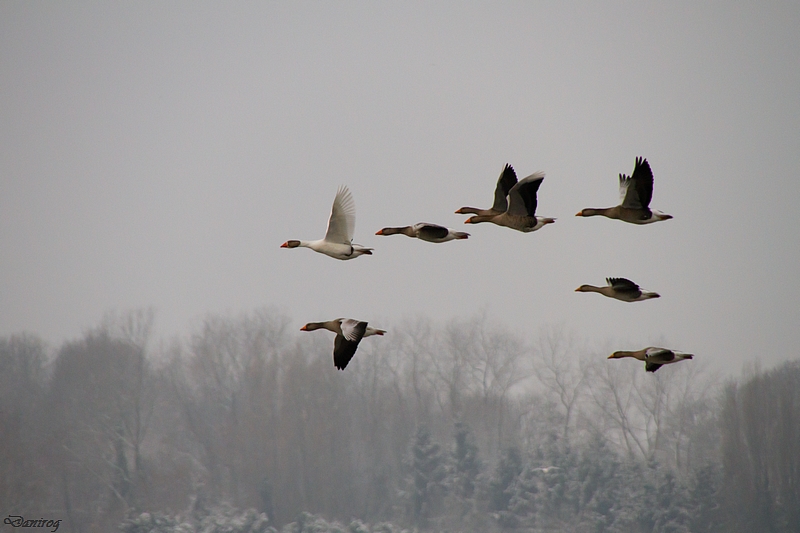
{"x": 19, "y": 521}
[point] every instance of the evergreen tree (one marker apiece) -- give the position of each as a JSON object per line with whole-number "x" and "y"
{"x": 703, "y": 502}
{"x": 502, "y": 485}
{"x": 428, "y": 472}
{"x": 596, "y": 472}
{"x": 671, "y": 515}
{"x": 558, "y": 498}
{"x": 465, "y": 462}
{"x": 523, "y": 504}
{"x": 608, "y": 494}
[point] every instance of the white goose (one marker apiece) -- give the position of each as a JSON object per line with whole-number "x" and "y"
{"x": 338, "y": 241}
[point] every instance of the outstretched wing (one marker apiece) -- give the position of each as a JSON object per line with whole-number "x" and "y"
{"x": 651, "y": 367}
{"x": 432, "y": 231}
{"x": 659, "y": 355}
{"x": 342, "y": 223}
{"x": 637, "y": 190}
{"x": 522, "y": 197}
{"x": 507, "y": 179}
{"x": 346, "y": 344}
{"x": 353, "y": 330}
{"x": 625, "y": 286}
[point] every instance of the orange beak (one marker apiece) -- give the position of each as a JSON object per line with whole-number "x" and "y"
{"x": 303, "y": 329}
{"x": 285, "y": 245}
{"x": 379, "y": 232}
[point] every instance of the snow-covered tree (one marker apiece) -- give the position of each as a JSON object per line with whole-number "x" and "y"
{"x": 523, "y": 504}
{"x": 501, "y": 487}
{"x": 466, "y": 465}
{"x": 703, "y": 502}
{"x": 427, "y": 472}
{"x": 218, "y": 519}
{"x": 671, "y": 509}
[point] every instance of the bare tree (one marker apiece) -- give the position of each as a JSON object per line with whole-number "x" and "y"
{"x": 22, "y": 394}
{"x": 497, "y": 363}
{"x": 614, "y": 398}
{"x": 92, "y": 390}
{"x": 137, "y": 398}
{"x": 760, "y": 423}
{"x": 417, "y": 344}
{"x": 559, "y": 370}
{"x": 228, "y": 392}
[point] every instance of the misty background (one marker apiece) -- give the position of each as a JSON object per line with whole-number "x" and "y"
{"x": 155, "y": 156}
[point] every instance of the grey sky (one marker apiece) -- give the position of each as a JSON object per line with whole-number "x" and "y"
{"x": 159, "y": 153}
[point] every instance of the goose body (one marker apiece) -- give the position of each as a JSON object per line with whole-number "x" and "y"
{"x": 621, "y": 289}
{"x": 349, "y": 333}
{"x": 636, "y": 191}
{"x": 338, "y": 240}
{"x": 507, "y": 179}
{"x": 426, "y": 232}
{"x": 521, "y": 212}
{"x": 653, "y": 357}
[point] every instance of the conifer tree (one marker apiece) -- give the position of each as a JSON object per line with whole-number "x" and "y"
{"x": 502, "y": 484}
{"x": 426, "y": 487}
{"x": 466, "y": 465}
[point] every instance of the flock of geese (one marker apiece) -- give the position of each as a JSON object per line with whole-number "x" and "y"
{"x": 514, "y": 207}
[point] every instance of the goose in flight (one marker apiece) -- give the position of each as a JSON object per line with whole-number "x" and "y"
{"x": 521, "y": 212}
{"x": 636, "y": 191}
{"x": 338, "y": 240}
{"x": 654, "y": 358}
{"x": 507, "y": 179}
{"x": 620, "y": 288}
{"x": 349, "y": 333}
{"x": 426, "y": 232}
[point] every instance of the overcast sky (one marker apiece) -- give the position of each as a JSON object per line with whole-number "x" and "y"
{"x": 158, "y": 154}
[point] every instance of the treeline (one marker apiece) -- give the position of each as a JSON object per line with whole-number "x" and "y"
{"x": 457, "y": 426}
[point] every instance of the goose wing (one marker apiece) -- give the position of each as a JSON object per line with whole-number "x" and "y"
{"x": 624, "y": 286}
{"x": 342, "y": 223}
{"x": 431, "y": 231}
{"x": 659, "y": 355}
{"x": 507, "y": 179}
{"x": 651, "y": 367}
{"x": 522, "y": 196}
{"x": 353, "y": 330}
{"x": 637, "y": 189}
{"x": 346, "y": 344}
